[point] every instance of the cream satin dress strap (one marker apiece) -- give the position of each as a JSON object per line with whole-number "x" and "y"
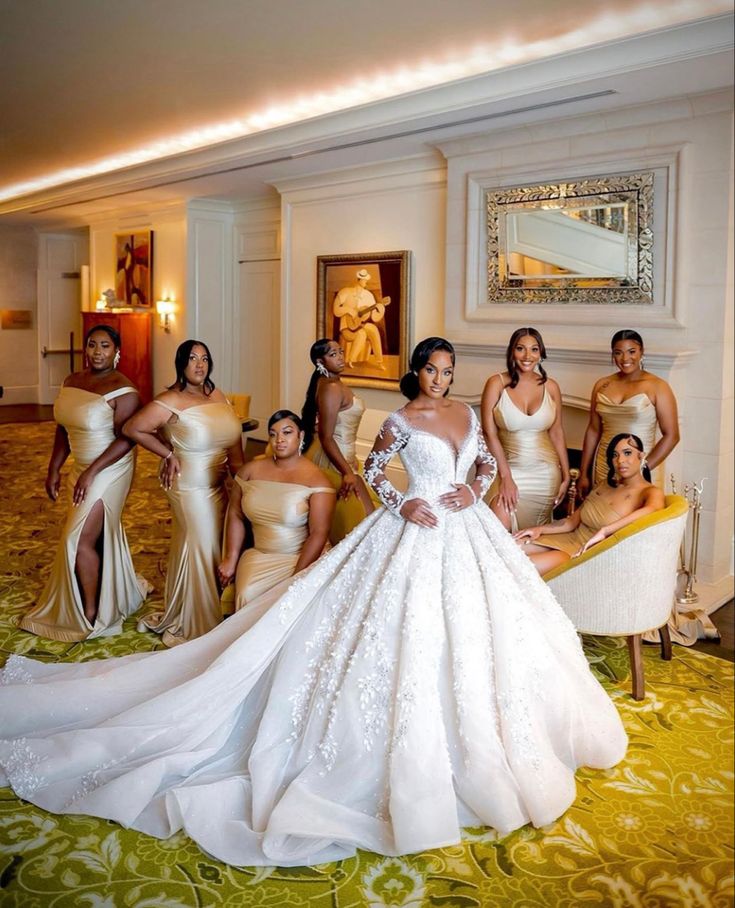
{"x": 636, "y": 416}
{"x": 595, "y": 514}
{"x": 347, "y": 512}
{"x": 200, "y": 437}
{"x": 279, "y": 515}
{"x": 89, "y": 423}
{"x": 531, "y": 457}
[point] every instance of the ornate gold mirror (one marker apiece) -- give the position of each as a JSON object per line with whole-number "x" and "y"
{"x": 588, "y": 241}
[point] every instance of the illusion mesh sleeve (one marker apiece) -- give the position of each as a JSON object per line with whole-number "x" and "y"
{"x": 391, "y": 438}
{"x": 486, "y": 466}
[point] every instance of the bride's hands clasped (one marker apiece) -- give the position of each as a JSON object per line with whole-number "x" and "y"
{"x": 418, "y": 511}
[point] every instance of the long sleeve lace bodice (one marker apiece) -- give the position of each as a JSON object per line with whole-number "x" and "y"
{"x": 431, "y": 462}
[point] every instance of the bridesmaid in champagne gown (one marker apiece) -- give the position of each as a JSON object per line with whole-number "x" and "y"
{"x": 92, "y": 587}
{"x": 195, "y": 431}
{"x": 331, "y": 416}
{"x": 289, "y": 507}
{"x": 521, "y": 419}
{"x": 626, "y": 495}
{"x": 631, "y": 400}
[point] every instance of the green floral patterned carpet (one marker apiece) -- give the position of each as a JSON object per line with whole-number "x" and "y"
{"x": 655, "y": 831}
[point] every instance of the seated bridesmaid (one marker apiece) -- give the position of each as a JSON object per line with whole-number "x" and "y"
{"x": 521, "y": 420}
{"x": 92, "y": 587}
{"x": 289, "y": 506}
{"x": 332, "y": 413}
{"x": 630, "y": 400}
{"x": 195, "y": 432}
{"x": 626, "y": 495}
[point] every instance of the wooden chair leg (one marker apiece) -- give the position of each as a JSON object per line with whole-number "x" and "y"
{"x": 665, "y": 636}
{"x": 636, "y": 666}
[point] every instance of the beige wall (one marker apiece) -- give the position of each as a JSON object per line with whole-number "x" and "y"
{"x": 19, "y": 347}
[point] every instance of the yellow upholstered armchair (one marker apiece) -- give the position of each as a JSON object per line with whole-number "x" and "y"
{"x": 625, "y": 585}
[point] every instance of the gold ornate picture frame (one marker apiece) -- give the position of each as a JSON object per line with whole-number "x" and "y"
{"x": 584, "y": 241}
{"x": 364, "y": 302}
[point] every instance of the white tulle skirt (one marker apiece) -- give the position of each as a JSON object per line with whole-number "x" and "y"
{"x": 411, "y": 682}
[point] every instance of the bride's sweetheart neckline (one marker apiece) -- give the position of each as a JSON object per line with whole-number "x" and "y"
{"x": 456, "y": 450}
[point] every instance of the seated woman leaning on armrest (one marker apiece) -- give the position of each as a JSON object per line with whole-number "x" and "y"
{"x": 626, "y": 495}
{"x": 289, "y": 503}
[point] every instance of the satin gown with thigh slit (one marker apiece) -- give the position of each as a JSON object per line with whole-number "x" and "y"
{"x": 279, "y": 515}
{"x": 199, "y": 437}
{"x": 412, "y": 681}
{"x": 347, "y": 512}
{"x": 533, "y": 462}
{"x": 595, "y": 513}
{"x": 89, "y": 422}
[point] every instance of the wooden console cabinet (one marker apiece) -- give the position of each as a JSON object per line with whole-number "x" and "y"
{"x": 136, "y": 350}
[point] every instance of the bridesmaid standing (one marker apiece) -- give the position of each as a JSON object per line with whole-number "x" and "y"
{"x": 521, "y": 420}
{"x": 630, "y": 401}
{"x": 333, "y": 412}
{"x": 92, "y": 587}
{"x": 195, "y": 432}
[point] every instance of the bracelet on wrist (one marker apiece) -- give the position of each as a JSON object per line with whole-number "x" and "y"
{"x": 170, "y": 454}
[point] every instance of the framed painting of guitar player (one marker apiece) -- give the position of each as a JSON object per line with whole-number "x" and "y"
{"x": 363, "y": 301}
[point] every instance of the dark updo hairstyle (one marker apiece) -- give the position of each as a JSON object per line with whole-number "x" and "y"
{"x": 319, "y": 350}
{"x": 285, "y": 414}
{"x": 627, "y": 334}
{"x": 419, "y": 358}
{"x": 181, "y": 361}
{"x": 510, "y": 359}
{"x": 109, "y": 331}
{"x": 614, "y": 442}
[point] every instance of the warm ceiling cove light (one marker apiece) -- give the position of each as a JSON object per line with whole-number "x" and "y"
{"x": 381, "y": 86}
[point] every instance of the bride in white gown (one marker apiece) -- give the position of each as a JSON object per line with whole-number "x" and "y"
{"x": 418, "y": 678}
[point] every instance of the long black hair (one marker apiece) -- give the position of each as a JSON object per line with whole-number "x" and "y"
{"x": 181, "y": 361}
{"x": 419, "y": 358}
{"x": 285, "y": 414}
{"x": 510, "y": 359}
{"x": 109, "y": 331}
{"x": 319, "y": 350}
{"x": 614, "y": 442}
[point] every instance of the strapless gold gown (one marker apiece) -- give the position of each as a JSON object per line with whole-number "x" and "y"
{"x": 59, "y": 614}
{"x": 595, "y": 514}
{"x": 347, "y": 513}
{"x": 636, "y": 416}
{"x": 279, "y": 515}
{"x": 531, "y": 457}
{"x": 200, "y": 439}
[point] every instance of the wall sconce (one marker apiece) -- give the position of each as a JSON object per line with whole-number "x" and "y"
{"x": 165, "y": 309}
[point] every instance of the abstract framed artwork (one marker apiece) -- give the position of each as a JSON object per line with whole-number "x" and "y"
{"x": 134, "y": 268}
{"x": 364, "y": 302}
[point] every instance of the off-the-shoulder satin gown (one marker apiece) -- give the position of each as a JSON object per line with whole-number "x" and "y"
{"x": 279, "y": 515}
{"x": 200, "y": 437}
{"x": 89, "y": 422}
{"x": 533, "y": 462}
{"x": 347, "y": 512}
{"x": 636, "y": 415}
{"x": 412, "y": 681}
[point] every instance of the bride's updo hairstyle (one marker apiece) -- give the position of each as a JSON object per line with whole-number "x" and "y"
{"x": 319, "y": 350}
{"x": 419, "y": 358}
{"x": 635, "y": 442}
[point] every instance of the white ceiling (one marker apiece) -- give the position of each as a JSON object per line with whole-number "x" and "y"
{"x": 81, "y": 80}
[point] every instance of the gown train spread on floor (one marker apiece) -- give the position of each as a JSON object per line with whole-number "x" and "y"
{"x": 410, "y": 682}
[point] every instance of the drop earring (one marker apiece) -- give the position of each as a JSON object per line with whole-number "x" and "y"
{"x": 322, "y": 370}
{"x": 643, "y": 362}
{"x": 116, "y": 360}
{"x": 301, "y": 447}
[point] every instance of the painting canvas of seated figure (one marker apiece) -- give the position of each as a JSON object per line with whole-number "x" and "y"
{"x": 363, "y": 303}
